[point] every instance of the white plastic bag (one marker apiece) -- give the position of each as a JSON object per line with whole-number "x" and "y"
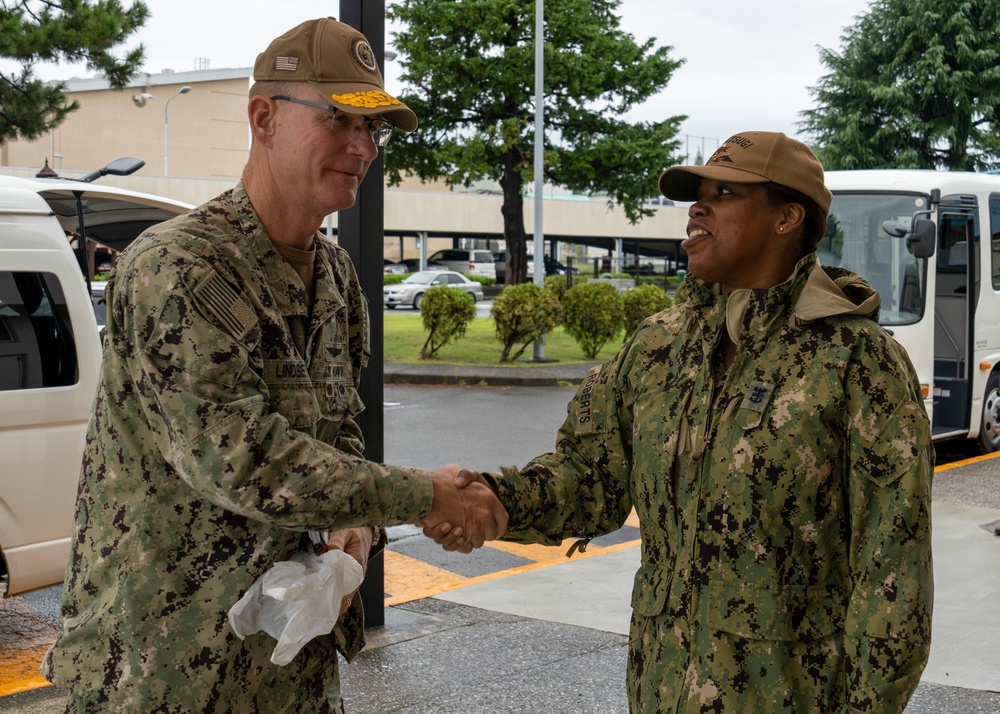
{"x": 296, "y": 600}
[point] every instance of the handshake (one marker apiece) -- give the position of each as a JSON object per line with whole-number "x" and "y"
{"x": 465, "y": 513}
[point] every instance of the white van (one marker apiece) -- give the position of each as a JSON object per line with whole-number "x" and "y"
{"x": 467, "y": 262}
{"x": 50, "y": 355}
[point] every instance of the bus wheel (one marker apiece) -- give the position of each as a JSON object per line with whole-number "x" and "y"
{"x": 989, "y": 430}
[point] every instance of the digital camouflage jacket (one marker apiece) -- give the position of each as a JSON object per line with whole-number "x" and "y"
{"x": 784, "y": 505}
{"x": 223, "y": 429}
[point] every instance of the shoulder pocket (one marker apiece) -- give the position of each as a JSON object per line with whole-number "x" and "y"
{"x": 884, "y": 457}
{"x": 207, "y": 330}
{"x": 223, "y": 305}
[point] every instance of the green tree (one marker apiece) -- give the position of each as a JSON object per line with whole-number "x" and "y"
{"x": 915, "y": 85}
{"x": 446, "y": 313}
{"x": 33, "y": 31}
{"x": 592, "y": 315}
{"x": 468, "y": 67}
{"x": 521, "y": 314}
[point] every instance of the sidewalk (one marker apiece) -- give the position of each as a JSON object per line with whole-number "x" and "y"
{"x": 551, "y": 374}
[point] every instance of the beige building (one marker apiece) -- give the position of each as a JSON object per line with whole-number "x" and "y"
{"x": 205, "y": 128}
{"x": 195, "y": 143}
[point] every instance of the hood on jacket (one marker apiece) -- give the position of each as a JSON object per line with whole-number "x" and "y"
{"x": 833, "y": 291}
{"x": 825, "y": 291}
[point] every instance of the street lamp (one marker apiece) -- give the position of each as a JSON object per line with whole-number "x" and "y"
{"x": 140, "y": 101}
{"x": 538, "y": 347}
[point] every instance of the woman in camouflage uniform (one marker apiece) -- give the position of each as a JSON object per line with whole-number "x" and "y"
{"x": 773, "y": 441}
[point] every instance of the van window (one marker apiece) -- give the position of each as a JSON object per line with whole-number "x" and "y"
{"x": 484, "y": 256}
{"x": 36, "y": 339}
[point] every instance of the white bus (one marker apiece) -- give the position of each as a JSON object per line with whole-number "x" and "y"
{"x": 929, "y": 242}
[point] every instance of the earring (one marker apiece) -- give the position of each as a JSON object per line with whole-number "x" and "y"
{"x": 781, "y": 230}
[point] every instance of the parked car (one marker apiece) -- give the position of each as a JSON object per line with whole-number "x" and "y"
{"x": 500, "y": 261}
{"x": 103, "y": 260}
{"x": 413, "y": 265}
{"x": 50, "y": 356}
{"x": 394, "y": 268}
{"x": 552, "y": 267}
{"x": 467, "y": 262}
{"x": 411, "y": 290}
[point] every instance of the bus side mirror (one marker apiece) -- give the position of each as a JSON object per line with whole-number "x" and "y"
{"x": 923, "y": 239}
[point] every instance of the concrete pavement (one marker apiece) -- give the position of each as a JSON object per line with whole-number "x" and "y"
{"x": 553, "y": 639}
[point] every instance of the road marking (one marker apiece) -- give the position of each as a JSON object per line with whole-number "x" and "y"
{"x": 591, "y": 552}
{"x": 537, "y": 553}
{"x": 25, "y": 635}
{"x": 966, "y": 462}
{"x": 408, "y": 579}
{"x": 406, "y": 576}
{"x": 25, "y": 685}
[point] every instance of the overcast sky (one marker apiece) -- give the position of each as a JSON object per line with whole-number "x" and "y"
{"x": 748, "y": 65}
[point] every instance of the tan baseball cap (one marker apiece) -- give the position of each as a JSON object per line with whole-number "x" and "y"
{"x": 753, "y": 157}
{"x": 337, "y": 60}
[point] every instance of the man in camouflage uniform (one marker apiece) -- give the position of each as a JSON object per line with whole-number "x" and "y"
{"x": 773, "y": 441}
{"x": 224, "y": 429}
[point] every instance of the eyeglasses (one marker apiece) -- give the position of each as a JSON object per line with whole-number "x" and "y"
{"x": 380, "y": 129}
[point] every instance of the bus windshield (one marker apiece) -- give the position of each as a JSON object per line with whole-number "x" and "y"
{"x": 856, "y": 241}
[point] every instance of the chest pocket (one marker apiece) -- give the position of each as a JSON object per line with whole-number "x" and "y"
{"x": 317, "y": 397}
{"x": 292, "y": 393}
{"x": 334, "y": 373}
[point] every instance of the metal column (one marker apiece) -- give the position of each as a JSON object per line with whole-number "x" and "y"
{"x": 359, "y": 232}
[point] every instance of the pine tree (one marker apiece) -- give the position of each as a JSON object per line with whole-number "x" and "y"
{"x": 916, "y": 84}
{"x": 52, "y": 31}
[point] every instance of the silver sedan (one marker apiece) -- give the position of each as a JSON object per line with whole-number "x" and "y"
{"x": 411, "y": 290}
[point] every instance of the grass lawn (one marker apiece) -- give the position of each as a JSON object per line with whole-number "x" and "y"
{"x": 405, "y": 335}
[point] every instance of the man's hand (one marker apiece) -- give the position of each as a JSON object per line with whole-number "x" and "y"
{"x": 357, "y": 543}
{"x": 465, "y": 512}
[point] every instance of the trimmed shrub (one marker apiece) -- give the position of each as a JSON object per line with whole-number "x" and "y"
{"x": 557, "y": 284}
{"x": 483, "y": 280}
{"x": 641, "y": 302}
{"x": 446, "y": 312}
{"x": 393, "y": 278}
{"x": 592, "y": 315}
{"x": 522, "y": 313}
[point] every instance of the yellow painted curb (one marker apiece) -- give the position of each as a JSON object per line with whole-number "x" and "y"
{"x": 462, "y": 582}
{"x": 966, "y": 462}
{"x": 24, "y": 685}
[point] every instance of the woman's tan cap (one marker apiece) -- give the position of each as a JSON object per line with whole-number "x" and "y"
{"x": 337, "y": 60}
{"x": 753, "y": 157}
